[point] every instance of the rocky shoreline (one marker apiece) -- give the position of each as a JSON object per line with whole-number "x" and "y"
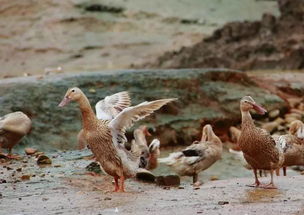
{"x": 204, "y": 96}
{"x": 271, "y": 43}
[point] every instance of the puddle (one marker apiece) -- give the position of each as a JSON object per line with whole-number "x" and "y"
{"x": 261, "y": 195}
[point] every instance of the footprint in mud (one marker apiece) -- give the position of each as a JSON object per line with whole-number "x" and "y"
{"x": 261, "y": 195}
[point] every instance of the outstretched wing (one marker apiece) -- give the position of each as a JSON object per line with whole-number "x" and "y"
{"x": 128, "y": 116}
{"x": 111, "y": 106}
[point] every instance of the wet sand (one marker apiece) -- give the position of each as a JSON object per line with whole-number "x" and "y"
{"x": 65, "y": 188}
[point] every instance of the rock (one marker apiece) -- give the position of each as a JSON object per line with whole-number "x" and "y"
{"x": 247, "y": 45}
{"x": 206, "y": 96}
{"x": 145, "y": 175}
{"x": 293, "y": 115}
{"x": 170, "y": 180}
{"x": 44, "y": 160}
{"x": 223, "y": 203}
{"x": 107, "y": 198}
{"x": 25, "y": 177}
{"x": 94, "y": 167}
{"x": 213, "y": 178}
{"x": 274, "y": 114}
{"x": 30, "y": 151}
{"x": 272, "y": 126}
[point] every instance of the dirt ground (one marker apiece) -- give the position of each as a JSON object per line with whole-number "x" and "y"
{"x": 80, "y": 35}
{"x": 65, "y": 188}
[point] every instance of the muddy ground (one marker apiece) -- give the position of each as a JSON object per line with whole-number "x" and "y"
{"x": 66, "y": 188}
{"x": 86, "y": 35}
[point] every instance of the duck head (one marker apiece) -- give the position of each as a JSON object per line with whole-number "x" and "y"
{"x": 209, "y": 135}
{"x": 144, "y": 130}
{"x": 247, "y": 103}
{"x": 72, "y": 94}
{"x": 297, "y": 129}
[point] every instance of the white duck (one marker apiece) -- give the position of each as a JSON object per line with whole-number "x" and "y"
{"x": 196, "y": 157}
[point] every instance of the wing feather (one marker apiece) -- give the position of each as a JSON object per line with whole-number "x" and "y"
{"x": 111, "y": 106}
{"x": 126, "y": 118}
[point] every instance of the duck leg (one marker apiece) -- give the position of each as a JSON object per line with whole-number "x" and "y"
{"x": 116, "y": 184}
{"x": 10, "y": 155}
{"x": 257, "y": 182}
{"x": 284, "y": 170}
{"x": 196, "y": 182}
{"x": 122, "y": 184}
{"x": 278, "y": 171}
{"x": 271, "y": 184}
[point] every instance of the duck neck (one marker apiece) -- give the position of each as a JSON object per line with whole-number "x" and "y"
{"x": 140, "y": 138}
{"x": 247, "y": 120}
{"x": 88, "y": 116}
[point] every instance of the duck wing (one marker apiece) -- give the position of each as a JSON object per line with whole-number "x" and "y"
{"x": 126, "y": 118}
{"x": 195, "y": 153}
{"x": 111, "y": 106}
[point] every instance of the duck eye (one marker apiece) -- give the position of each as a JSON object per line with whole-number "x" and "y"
{"x": 73, "y": 91}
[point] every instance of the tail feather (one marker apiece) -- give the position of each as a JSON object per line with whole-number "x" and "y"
{"x": 171, "y": 159}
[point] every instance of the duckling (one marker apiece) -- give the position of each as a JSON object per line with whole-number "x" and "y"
{"x": 107, "y": 109}
{"x": 260, "y": 149}
{"x": 13, "y": 127}
{"x": 106, "y": 138}
{"x": 200, "y": 155}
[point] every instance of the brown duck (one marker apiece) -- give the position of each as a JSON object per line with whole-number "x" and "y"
{"x": 259, "y": 148}
{"x": 13, "y": 127}
{"x": 293, "y": 145}
{"x": 149, "y": 153}
{"x": 106, "y": 138}
{"x": 107, "y": 109}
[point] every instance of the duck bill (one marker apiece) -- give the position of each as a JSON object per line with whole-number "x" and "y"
{"x": 259, "y": 109}
{"x": 64, "y": 102}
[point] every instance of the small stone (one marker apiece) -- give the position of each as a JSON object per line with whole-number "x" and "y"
{"x": 146, "y": 176}
{"x": 174, "y": 200}
{"x": 214, "y": 178}
{"x": 57, "y": 165}
{"x": 45, "y": 199}
{"x": 107, "y": 198}
{"x": 223, "y": 203}
{"x": 181, "y": 188}
{"x": 94, "y": 167}
{"x": 43, "y": 160}
{"x": 25, "y": 177}
{"x": 169, "y": 180}
{"x": 9, "y": 168}
{"x": 20, "y": 198}
{"x": 274, "y": 114}
{"x": 2, "y": 181}
{"x": 19, "y": 169}
{"x": 30, "y": 151}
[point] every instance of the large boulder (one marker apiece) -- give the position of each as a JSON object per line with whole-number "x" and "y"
{"x": 204, "y": 96}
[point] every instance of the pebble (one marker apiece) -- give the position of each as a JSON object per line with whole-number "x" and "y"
{"x": 30, "y": 151}
{"x": 25, "y": 177}
{"x": 223, "y": 203}
{"x": 43, "y": 159}
{"x": 274, "y": 113}
{"x": 107, "y": 198}
{"x": 169, "y": 180}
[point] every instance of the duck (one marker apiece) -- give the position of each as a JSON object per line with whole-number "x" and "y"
{"x": 260, "y": 149}
{"x": 293, "y": 145}
{"x": 13, "y": 127}
{"x": 154, "y": 153}
{"x": 236, "y": 151}
{"x": 149, "y": 153}
{"x": 199, "y": 156}
{"x": 106, "y": 138}
{"x": 107, "y": 109}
